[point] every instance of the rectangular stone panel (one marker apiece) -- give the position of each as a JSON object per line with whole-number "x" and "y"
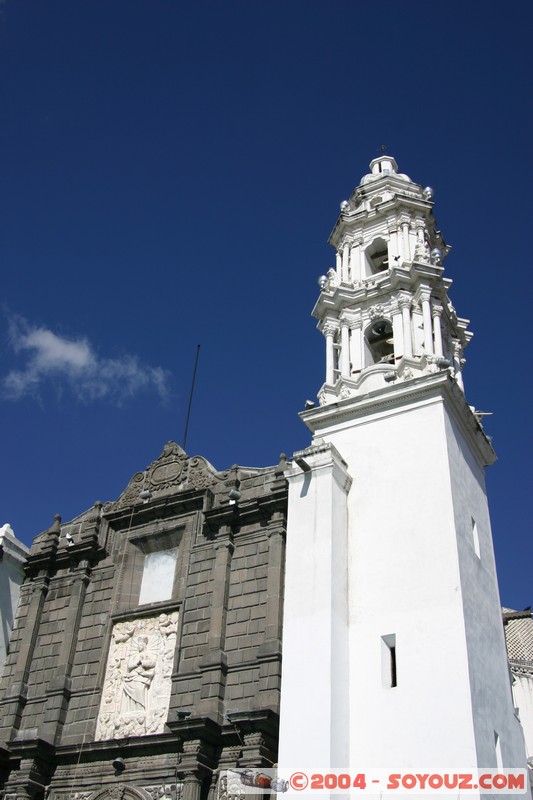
{"x": 137, "y": 685}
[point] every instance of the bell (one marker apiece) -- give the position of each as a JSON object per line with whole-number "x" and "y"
{"x": 381, "y": 328}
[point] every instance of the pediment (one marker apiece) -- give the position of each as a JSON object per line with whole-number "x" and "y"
{"x": 174, "y": 471}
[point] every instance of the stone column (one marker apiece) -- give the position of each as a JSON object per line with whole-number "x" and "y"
{"x": 196, "y": 765}
{"x": 425, "y": 299}
{"x": 362, "y": 261}
{"x": 404, "y": 301}
{"x": 356, "y": 337}
{"x": 437, "y": 330}
{"x": 345, "y": 348}
{"x": 15, "y": 696}
{"x": 406, "y": 243}
{"x": 269, "y": 652}
{"x": 58, "y": 690}
{"x": 345, "y": 262}
{"x": 419, "y": 243}
{"x": 214, "y": 665}
{"x": 393, "y": 246}
{"x": 329, "y": 333}
{"x": 397, "y": 330}
{"x": 219, "y": 601}
{"x": 276, "y": 568}
{"x": 192, "y": 786}
{"x": 338, "y": 263}
{"x": 355, "y": 262}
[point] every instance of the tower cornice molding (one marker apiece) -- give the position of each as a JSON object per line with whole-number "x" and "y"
{"x": 436, "y": 387}
{"x": 402, "y": 204}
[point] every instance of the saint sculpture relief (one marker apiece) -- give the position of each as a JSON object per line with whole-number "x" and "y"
{"x": 136, "y": 693}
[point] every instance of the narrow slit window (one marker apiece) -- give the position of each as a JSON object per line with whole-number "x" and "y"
{"x": 389, "y": 668}
{"x": 393, "y": 666}
{"x": 498, "y": 749}
{"x": 475, "y": 538}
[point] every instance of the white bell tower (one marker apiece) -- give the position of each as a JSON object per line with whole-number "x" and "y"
{"x": 393, "y": 650}
{"x": 385, "y": 310}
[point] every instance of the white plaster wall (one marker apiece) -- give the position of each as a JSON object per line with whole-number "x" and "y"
{"x": 412, "y": 572}
{"x": 487, "y": 655}
{"x": 404, "y": 580}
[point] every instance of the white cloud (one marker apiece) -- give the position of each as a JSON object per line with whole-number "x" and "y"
{"x": 72, "y": 363}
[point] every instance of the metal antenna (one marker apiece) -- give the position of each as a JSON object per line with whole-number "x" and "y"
{"x": 190, "y": 396}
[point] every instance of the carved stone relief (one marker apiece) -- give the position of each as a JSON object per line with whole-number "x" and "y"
{"x": 345, "y": 393}
{"x": 71, "y": 795}
{"x": 164, "y": 791}
{"x": 136, "y": 693}
{"x": 229, "y": 787}
{"x": 120, "y": 792}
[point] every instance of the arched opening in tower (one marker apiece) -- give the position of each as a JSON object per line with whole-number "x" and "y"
{"x": 379, "y": 343}
{"x": 377, "y": 257}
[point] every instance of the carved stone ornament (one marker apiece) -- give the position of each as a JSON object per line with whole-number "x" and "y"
{"x": 333, "y": 278}
{"x": 161, "y": 791}
{"x": 229, "y": 786}
{"x": 377, "y": 311}
{"x": 172, "y": 471}
{"x": 322, "y": 398}
{"x": 136, "y": 693}
{"x": 119, "y": 792}
{"x": 422, "y": 252}
{"x": 71, "y": 795}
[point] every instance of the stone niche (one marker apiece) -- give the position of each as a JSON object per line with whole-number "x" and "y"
{"x": 136, "y": 693}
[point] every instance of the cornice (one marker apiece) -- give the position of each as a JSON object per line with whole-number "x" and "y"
{"x": 399, "y": 397}
{"x": 246, "y": 511}
{"x": 418, "y": 277}
{"x": 403, "y": 200}
{"x": 164, "y": 506}
{"x": 96, "y": 751}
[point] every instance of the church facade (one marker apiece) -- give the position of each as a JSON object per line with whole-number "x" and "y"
{"x": 147, "y": 651}
{"x": 147, "y": 655}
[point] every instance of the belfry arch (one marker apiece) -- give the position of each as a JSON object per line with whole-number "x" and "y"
{"x": 379, "y": 343}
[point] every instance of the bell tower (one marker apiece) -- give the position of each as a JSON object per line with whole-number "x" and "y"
{"x": 393, "y": 645}
{"x": 384, "y": 310}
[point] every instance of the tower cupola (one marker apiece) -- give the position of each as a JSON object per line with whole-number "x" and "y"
{"x": 384, "y": 308}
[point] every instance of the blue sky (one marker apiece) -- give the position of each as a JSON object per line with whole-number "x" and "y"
{"x": 170, "y": 174}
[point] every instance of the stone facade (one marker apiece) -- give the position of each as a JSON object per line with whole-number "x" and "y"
{"x": 147, "y": 648}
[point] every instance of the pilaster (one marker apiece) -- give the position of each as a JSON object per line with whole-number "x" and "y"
{"x": 316, "y": 611}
